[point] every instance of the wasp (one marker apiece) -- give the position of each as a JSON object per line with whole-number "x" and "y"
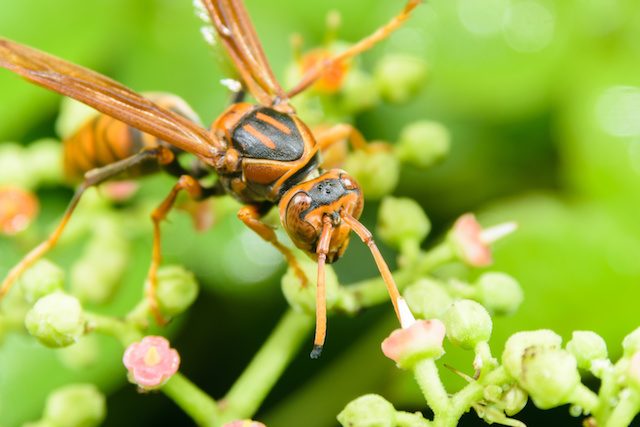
{"x": 263, "y": 154}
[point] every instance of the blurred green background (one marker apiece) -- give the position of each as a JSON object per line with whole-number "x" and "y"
{"x": 542, "y": 99}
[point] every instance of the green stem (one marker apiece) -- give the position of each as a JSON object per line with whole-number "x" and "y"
{"x": 367, "y": 293}
{"x": 472, "y": 392}
{"x": 586, "y": 399}
{"x": 625, "y": 411}
{"x": 266, "y": 367}
{"x": 196, "y": 403}
{"x": 408, "y": 419}
{"x": 428, "y": 379}
{"x": 123, "y": 331}
{"x": 433, "y": 258}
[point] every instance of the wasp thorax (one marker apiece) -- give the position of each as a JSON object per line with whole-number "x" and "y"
{"x": 305, "y": 206}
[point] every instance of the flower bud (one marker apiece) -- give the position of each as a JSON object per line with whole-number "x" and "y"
{"x": 427, "y": 299}
{"x": 56, "y": 320}
{"x": 75, "y": 405}
{"x": 514, "y": 400}
{"x": 587, "y": 346}
{"x": 466, "y": 240}
{"x": 42, "y": 278}
{"x": 45, "y": 159}
{"x": 631, "y": 343}
{"x": 377, "y": 171}
{"x": 97, "y": 274}
{"x": 402, "y": 219}
{"x": 499, "y": 293}
{"x": 422, "y": 340}
{"x": 549, "y": 375}
{"x": 468, "y": 323}
{"x": 369, "y": 410}
{"x": 399, "y": 78}
{"x": 423, "y": 143}
{"x": 357, "y": 93}
{"x": 302, "y": 297}
{"x": 244, "y": 423}
{"x": 15, "y": 169}
{"x": 177, "y": 289}
{"x": 518, "y": 343}
{"x": 634, "y": 371}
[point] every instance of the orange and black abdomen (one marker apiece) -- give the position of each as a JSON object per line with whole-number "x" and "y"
{"x": 103, "y": 140}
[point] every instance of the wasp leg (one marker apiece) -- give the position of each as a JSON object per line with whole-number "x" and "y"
{"x": 196, "y": 192}
{"x": 249, "y": 215}
{"x": 381, "y": 33}
{"x": 337, "y": 133}
{"x": 92, "y": 178}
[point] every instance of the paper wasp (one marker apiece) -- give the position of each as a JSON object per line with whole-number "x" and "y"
{"x": 263, "y": 154}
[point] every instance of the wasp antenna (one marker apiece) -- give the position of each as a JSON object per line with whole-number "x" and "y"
{"x": 321, "y": 301}
{"x": 367, "y": 238}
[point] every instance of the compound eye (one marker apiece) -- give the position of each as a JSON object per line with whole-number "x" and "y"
{"x": 296, "y": 224}
{"x": 349, "y": 182}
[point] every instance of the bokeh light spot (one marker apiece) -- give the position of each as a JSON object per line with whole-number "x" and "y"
{"x": 529, "y": 26}
{"x": 483, "y": 17}
{"x": 618, "y": 109}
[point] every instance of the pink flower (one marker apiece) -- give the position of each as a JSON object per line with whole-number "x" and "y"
{"x": 423, "y": 339}
{"x": 466, "y": 236}
{"x": 17, "y": 208}
{"x": 151, "y": 362}
{"x": 244, "y": 423}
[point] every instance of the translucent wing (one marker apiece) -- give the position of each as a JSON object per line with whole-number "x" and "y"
{"x": 236, "y": 32}
{"x": 106, "y": 96}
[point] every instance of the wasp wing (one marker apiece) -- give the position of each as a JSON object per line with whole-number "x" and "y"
{"x": 107, "y": 96}
{"x": 236, "y": 32}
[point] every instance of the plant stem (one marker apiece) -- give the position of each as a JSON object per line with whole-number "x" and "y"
{"x": 196, "y": 403}
{"x": 266, "y": 367}
{"x": 124, "y": 332}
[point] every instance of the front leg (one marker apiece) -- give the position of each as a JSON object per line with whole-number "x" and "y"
{"x": 250, "y": 216}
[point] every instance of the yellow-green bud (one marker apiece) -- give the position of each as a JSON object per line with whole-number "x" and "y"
{"x": 423, "y": 143}
{"x": 518, "y": 343}
{"x": 500, "y": 293}
{"x": 468, "y": 323}
{"x": 302, "y": 297}
{"x": 75, "y": 405}
{"x": 177, "y": 290}
{"x": 56, "y": 320}
{"x": 587, "y": 346}
{"x": 42, "y": 278}
{"x": 631, "y": 343}
{"x": 370, "y": 410}
{"x": 377, "y": 172}
{"x": 399, "y": 78}
{"x": 427, "y": 299}
{"x": 402, "y": 219}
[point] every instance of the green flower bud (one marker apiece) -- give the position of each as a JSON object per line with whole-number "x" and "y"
{"x": 56, "y": 320}
{"x": 400, "y": 220}
{"x": 42, "y": 278}
{"x": 14, "y": 166}
{"x": 549, "y": 375}
{"x": 468, "y": 323}
{"x": 76, "y": 405}
{"x": 587, "y": 346}
{"x": 423, "y": 143}
{"x": 97, "y": 274}
{"x": 302, "y": 297}
{"x": 631, "y": 343}
{"x": 45, "y": 158}
{"x": 357, "y": 93}
{"x": 427, "y": 299}
{"x": 514, "y": 400}
{"x": 500, "y": 293}
{"x": 177, "y": 290}
{"x": 369, "y": 410}
{"x": 518, "y": 343}
{"x": 376, "y": 171}
{"x": 399, "y": 78}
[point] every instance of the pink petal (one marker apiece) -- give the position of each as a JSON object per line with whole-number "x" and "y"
{"x": 466, "y": 233}
{"x": 244, "y": 423}
{"x": 135, "y": 360}
{"x": 421, "y": 339}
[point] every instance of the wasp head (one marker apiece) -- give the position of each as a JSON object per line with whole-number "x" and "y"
{"x": 306, "y": 208}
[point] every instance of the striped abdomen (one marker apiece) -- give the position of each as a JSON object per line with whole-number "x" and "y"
{"x": 103, "y": 140}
